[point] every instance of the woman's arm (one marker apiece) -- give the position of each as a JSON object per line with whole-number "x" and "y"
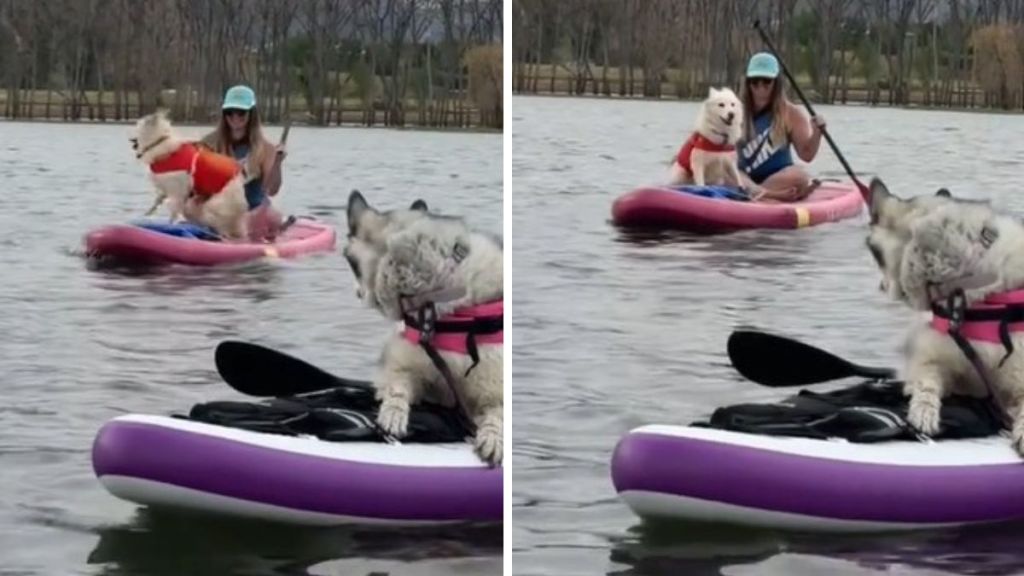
{"x": 805, "y": 134}
{"x": 271, "y": 169}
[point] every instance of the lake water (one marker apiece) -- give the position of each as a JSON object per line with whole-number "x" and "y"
{"x": 80, "y": 346}
{"x": 611, "y": 333}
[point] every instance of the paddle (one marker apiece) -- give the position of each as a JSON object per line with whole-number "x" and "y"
{"x": 777, "y": 361}
{"x": 259, "y": 371}
{"x": 864, "y": 192}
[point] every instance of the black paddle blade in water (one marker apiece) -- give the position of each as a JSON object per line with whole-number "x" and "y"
{"x": 778, "y": 361}
{"x": 260, "y": 371}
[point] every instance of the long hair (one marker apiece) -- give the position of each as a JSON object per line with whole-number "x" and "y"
{"x": 777, "y": 104}
{"x": 253, "y": 135}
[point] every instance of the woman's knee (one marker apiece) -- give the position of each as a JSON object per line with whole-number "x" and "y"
{"x": 788, "y": 177}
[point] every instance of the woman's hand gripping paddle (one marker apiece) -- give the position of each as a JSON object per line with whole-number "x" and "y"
{"x": 273, "y": 179}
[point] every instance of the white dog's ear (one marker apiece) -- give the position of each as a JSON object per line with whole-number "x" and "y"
{"x": 712, "y": 92}
{"x": 356, "y": 206}
{"x": 162, "y": 113}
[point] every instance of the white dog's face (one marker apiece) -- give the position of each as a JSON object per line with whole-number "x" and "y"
{"x": 723, "y": 113}
{"x": 891, "y": 221}
{"x": 149, "y": 130}
{"x": 368, "y": 231}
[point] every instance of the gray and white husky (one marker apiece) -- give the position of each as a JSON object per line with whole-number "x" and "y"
{"x": 927, "y": 249}
{"x": 433, "y": 272}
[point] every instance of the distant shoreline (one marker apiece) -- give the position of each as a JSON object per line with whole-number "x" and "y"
{"x": 86, "y": 121}
{"x": 849, "y": 103}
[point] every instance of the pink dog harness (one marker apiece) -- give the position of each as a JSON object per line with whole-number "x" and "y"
{"x": 460, "y": 331}
{"x": 990, "y": 321}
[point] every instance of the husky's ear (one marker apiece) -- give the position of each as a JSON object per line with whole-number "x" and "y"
{"x": 877, "y": 196}
{"x": 943, "y": 193}
{"x": 356, "y": 206}
{"x": 419, "y": 204}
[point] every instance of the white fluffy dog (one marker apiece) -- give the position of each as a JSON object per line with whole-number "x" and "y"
{"x": 709, "y": 155}
{"x": 201, "y": 185}
{"x": 928, "y": 248}
{"x": 440, "y": 278}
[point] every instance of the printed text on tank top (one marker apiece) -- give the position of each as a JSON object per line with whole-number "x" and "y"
{"x": 760, "y": 149}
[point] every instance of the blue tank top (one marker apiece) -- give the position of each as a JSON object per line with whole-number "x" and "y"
{"x": 254, "y": 194}
{"x": 761, "y": 157}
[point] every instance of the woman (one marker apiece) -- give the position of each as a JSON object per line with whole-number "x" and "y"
{"x": 240, "y": 135}
{"x": 771, "y": 125}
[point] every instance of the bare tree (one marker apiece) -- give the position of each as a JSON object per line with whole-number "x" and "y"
{"x": 116, "y": 59}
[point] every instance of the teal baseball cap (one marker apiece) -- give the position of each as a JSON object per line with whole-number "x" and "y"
{"x": 239, "y": 97}
{"x": 762, "y": 65}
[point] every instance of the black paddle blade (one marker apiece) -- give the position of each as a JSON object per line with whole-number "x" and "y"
{"x": 778, "y": 361}
{"x": 259, "y": 371}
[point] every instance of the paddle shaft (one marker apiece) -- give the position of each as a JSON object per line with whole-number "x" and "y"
{"x": 807, "y": 103}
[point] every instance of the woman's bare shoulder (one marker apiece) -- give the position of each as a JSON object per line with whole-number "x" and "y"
{"x": 795, "y": 111}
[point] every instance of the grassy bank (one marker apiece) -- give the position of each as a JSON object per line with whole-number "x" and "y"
{"x": 673, "y": 84}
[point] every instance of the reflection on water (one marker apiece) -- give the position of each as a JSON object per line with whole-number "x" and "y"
{"x": 166, "y": 543}
{"x": 711, "y": 549}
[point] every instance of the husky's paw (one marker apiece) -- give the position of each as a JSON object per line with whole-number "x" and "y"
{"x": 393, "y": 417}
{"x": 1017, "y": 436}
{"x": 489, "y": 446}
{"x": 924, "y": 413}
{"x": 1017, "y": 440}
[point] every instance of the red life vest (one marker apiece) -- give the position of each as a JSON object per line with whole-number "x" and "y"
{"x": 699, "y": 142}
{"x": 210, "y": 171}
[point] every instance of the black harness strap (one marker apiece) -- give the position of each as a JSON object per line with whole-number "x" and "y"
{"x": 425, "y": 321}
{"x": 956, "y": 312}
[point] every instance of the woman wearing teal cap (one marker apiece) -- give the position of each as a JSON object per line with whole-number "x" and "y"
{"x": 240, "y": 135}
{"x": 771, "y": 125}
